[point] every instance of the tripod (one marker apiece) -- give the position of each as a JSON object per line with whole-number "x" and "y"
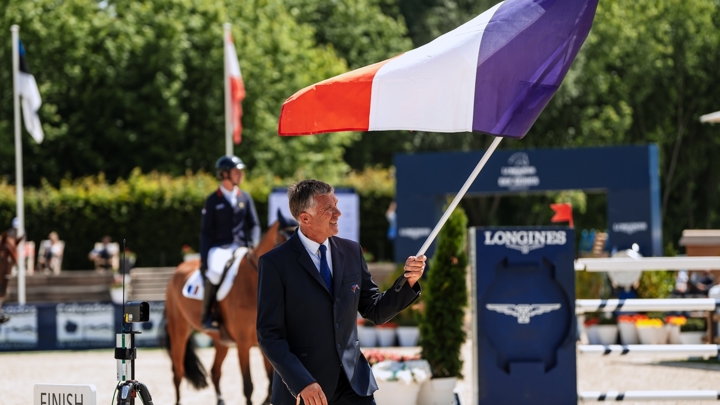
{"x": 129, "y": 388}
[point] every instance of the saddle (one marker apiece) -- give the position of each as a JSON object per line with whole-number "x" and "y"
{"x": 194, "y": 287}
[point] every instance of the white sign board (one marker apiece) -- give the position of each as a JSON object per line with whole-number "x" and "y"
{"x": 348, "y": 203}
{"x": 70, "y": 394}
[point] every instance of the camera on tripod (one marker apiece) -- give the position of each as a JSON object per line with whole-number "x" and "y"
{"x": 125, "y": 354}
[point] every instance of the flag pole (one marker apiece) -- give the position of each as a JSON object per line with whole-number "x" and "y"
{"x": 20, "y": 204}
{"x": 455, "y": 202}
{"x": 228, "y": 111}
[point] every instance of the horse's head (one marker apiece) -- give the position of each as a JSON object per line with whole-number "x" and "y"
{"x": 286, "y": 227}
{"x": 280, "y": 231}
{"x": 8, "y": 258}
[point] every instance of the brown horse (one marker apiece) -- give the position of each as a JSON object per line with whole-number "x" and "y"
{"x": 239, "y": 314}
{"x": 8, "y": 258}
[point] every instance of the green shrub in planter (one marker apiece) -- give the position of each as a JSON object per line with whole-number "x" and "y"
{"x": 694, "y": 325}
{"x": 445, "y": 297}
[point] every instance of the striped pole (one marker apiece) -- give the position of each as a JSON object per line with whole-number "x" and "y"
{"x": 622, "y": 350}
{"x": 646, "y": 305}
{"x": 649, "y": 395}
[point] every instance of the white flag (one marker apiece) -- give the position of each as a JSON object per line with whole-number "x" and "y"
{"x": 31, "y": 101}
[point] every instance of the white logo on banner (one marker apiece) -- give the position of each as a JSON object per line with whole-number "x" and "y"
{"x": 630, "y": 227}
{"x": 78, "y": 323}
{"x": 523, "y": 312}
{"x": 414, "y": 233}
{"x": 525, "y": 241}
{"x": 22, "y": 328}
{"x": 519, "y": 175}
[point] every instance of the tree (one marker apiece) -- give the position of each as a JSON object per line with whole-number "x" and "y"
{"x": 445, "y": 297}
{"x": 129, "y": 83}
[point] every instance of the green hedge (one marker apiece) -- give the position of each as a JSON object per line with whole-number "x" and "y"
{"x": 158, "y": 214}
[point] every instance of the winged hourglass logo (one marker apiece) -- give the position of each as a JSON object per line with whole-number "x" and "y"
{"x": 523, "y": 312}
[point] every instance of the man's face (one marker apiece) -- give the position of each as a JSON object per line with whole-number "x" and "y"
{"x": 235, "y": 176}
{"x": 321, "y": 221}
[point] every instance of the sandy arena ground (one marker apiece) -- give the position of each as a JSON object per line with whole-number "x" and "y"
{"x": 20, "y": 371}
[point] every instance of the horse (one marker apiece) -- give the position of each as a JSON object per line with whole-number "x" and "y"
{"x": 239, "y": 314}
{"x": 8, "y": 258}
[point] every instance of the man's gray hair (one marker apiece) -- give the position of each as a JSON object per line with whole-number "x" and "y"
{"x": 301, "y": 196}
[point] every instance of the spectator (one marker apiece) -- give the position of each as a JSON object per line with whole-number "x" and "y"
{"x": 105, "y": 255}
{"x": 700, "y": 282}
{"x": 51, "y": 253}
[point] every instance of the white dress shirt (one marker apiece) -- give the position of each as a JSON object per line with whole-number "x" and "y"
{"x": 231, "y": 196}
{"x": 313, "y": 249}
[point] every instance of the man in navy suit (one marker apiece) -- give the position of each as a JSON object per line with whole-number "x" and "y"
{"x": 229, "y": 221}
{"x": 310, "y": 291}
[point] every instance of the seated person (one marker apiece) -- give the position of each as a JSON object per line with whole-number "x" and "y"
{"x": 51, "y": 253}
{"x": 105, "y": 255}
{"x": 700, "y": 282}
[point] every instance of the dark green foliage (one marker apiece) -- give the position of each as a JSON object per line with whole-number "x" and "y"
{"x": 158, "y": 214}
{"x": 445, "y": 296}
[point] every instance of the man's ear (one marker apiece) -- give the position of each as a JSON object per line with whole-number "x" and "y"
{"x": 304, "y": 217}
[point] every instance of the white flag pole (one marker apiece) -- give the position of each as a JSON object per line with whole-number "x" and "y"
{"x": 455, "y": 202}
{"x": 20, "y": 204}
{"x": 228, "y": 110}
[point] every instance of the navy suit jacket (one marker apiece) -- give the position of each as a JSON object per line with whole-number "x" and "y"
{"x": 307, "y": 334}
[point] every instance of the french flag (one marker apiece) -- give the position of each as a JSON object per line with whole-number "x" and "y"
{"x": 237, "y": 88}
{"x": 30, "y": 95}
{"x": 494, "y": 74}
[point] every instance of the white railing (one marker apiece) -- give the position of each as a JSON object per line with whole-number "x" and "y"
{"x": 649, "y": 395}
{"x": 646, "y": 305}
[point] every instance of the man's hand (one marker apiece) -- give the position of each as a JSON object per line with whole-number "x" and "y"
{"x": 414, "y": 267}
{"x": 313, "y": 395}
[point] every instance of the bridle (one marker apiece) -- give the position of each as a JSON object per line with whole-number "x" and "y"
{"x": 252, "y": 257}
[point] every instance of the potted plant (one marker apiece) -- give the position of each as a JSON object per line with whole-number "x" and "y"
{"x": 399, "y": 377}
{"x": 693, "y": 331}
{"x": 445, "y": 297}
{"x": 407, "y": 330}
{"x": 627, "y": 329}
{"x": 590, "y": 325}
{"x": 651, "y": 331}
{"x": 673, "y": 324}
{"x": 607, "y": 330}
{"x": 366, "y": 333}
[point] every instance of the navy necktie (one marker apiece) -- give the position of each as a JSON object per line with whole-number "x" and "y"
{"x": 325, "y": 269}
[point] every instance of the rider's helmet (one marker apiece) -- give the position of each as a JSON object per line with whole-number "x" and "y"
{"x": 227, "y": 163}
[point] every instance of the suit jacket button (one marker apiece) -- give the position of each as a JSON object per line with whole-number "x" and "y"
{"x": 337, "y": 325}
{"x": 338, "y": 345}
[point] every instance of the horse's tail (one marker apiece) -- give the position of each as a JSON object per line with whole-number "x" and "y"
{"x": 194, "y": 370}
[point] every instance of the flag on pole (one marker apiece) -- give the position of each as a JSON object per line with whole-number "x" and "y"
{"x": 563, "y": 213}
{"x": 237, "y": 88}
{"x": 31, "y": 101}
{"x": 494, "y": 74}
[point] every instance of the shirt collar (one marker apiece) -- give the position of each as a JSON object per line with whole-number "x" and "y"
{"x": 311, "y": 245}
{"x": 229, "y": 194}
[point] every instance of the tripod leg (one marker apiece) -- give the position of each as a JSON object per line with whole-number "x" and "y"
{"x": 144, "y": 393}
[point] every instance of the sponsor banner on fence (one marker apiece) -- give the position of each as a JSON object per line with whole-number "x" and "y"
{"x": 74, "y": 326}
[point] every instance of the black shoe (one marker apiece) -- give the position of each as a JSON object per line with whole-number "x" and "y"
{"x": 4, "y": 318}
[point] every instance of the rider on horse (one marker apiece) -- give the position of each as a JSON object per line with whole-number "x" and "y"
{"x": 229, "y": 221}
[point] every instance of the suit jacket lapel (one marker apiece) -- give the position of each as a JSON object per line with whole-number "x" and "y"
{"x": 338, "y": 266}
{"x": 305, "y": 260}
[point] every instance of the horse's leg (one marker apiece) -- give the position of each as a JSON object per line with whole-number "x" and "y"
{"x": 244, "y": 357}
{"x": 178, "y": 333}
{"x": 220, "y": 352}
{"x": 270, "y": 373}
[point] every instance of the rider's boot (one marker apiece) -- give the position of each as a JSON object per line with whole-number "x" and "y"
{"x": 209, "y": 324}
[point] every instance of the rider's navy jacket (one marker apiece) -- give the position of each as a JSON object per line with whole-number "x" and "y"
{"x": 223, "y": 224}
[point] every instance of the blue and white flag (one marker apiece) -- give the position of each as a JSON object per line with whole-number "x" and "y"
{"x": 30, "y": 95}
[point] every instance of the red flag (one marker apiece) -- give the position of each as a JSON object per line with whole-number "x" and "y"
{"x": 563, "y": 212}
{"x": 237, "y": 88}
